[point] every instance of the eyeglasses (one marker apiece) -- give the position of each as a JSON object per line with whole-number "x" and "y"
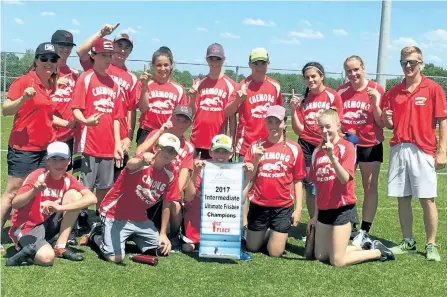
{"x": 52, "y": 58}
{"x": 412, "y": 63}
{"x": 257, "y": 63}
{"x": 214, "y": 59}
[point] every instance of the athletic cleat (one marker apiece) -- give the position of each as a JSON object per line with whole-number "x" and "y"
{"x": 72, "y": 238}
{"x": 245, "y": 257}
{"x": 385, "y": 253}
{"x": 96, "y": 230}
{"x": 405, "y": 246}
{"x": 359, "y": 238}
{"x": 23, "y": 255}
{"x": 432, "y": 252}
{"x": 68, "y": 254}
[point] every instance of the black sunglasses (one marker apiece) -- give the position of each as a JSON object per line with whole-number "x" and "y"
{"x": 65, "y": 44}
{"x": 52, "y": 58}
{"x": 412, "y": 63}
{"x": 214, "y": 59}
{"x": 257, "y": 63}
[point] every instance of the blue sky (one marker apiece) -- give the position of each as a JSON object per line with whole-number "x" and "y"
{"x": 293, "y": 32}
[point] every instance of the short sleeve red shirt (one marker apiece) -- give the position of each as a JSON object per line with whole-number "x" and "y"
{"x": 358, "y": 116}
{"x": 415, "y": 114}
{"x": 32, "y": 128}
{"x": 309, "y": 111}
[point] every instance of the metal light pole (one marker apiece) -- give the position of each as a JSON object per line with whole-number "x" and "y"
{"x": 383, "y": 42}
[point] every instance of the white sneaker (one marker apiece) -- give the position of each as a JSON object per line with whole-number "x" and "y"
{"x": 361, "y": 236}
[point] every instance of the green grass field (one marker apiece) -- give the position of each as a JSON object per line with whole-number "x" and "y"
{"x": 291, "y": 275}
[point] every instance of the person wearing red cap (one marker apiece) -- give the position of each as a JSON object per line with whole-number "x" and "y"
{"x": 97, "y": 107}
{"x": 253, "y": 96}
{"x": 29, "y": 100}
{"x": 277, "y": 189}
{"x": 208, "y": 98}
{"x": 130, "y": 86}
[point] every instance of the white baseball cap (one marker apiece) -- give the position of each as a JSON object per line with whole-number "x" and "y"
{"x": 222, "y": 141}
{"x": 58, "y": 149}
{"x": 169, "y": 140}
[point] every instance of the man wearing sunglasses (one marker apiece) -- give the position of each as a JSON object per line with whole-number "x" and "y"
{"x": 253, "y": 96}
{"x": 412, "y": 110}
{"x": 208, "y": 98}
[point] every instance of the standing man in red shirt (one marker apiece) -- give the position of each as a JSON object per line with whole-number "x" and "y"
{"x": 412, "y": 110}
{"x": 97, "y": 107}
{"x": 208, "y": 98}
{"x": 253, "y": 96}
{"x": 128, "y": 82}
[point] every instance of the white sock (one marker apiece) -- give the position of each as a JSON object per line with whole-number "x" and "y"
{"x": 60, "y": 246}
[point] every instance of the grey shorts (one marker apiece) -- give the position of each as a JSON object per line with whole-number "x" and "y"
{"x": 97, "y": 173}
{"x": 117, "y": 232}
{"x": 41, "y": 234}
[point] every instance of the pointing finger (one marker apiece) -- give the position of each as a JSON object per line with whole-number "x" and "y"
{"x": 144, "y": 68}
{"x": 327, "y": 136}
{"x": 116, "y": 26}
{"x": 293, "y": 93}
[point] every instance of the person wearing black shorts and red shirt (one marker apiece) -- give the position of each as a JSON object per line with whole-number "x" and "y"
{"x": 277, "y": 189}
{"x": 305, "y": 111}
{"x": 332, "y": 171}
{"x": 29, "y": 100}
{"x": 362, "y": 116}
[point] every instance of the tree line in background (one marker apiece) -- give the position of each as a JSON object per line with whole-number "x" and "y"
{"x": 18, "y": 65}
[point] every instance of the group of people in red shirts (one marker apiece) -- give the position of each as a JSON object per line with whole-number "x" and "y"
{"x": 59, "y": 112}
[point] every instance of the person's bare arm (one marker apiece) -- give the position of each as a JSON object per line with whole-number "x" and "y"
{"x": 85, "y": 47}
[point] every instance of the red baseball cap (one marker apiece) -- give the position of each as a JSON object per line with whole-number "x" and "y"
{"x": 102, "y": 45}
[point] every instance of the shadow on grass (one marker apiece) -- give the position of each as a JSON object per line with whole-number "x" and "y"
{"x": 5, "y": 237}
{"x": 195, "y": 256}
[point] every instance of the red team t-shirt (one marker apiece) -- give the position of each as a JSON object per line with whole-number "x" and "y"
{"x": 96, "y": 93}
{"x": 282, "y": 164}
{"x": 163, "y": 98}
{"x": 358, "y": 116}
{"x": 32, "y": 129}
{"x": 311, "y": 108}
{"x": 191, "y": 213}
{"x": 209, "y": 119}
{"x": 130, "y": 88}
{"x": 30, "y": 215}
{"x": 185, "y": 157}
{"x": 62, "y": 97}
{"x": 133, "y": 193}
{"x": 260, "y": 96}
{"x": 330, "y": 192}
{"x": 415, "y": 114}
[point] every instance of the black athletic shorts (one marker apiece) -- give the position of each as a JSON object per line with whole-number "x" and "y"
{"x": 260, "y": 218}
{"x": 22, "y": 163}
{"x": 204, "y": 154}
{"x": 308, "y": 149}
{"x": 339, "y": 216}
{"x": 41, "y": 234}
{"x": 70, "y": 143}
{"x": 370, "y": 154}
{"x": 141, "y": 135}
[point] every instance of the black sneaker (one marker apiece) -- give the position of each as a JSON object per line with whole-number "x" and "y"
{"x": 72, "y": 238}
{"x": 68, "y": 254}
{"x": 23, "y": 255}
{"x": 96, "y": 230}
{"x": 385, "y": 253}
{"x": 82, "y": 222}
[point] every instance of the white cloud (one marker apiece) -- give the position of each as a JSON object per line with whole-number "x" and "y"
{"x": 139, "y": 27}
{"x": 155, "y": 40}
{"x": 259, "y": 22}
{"x": 404, "y": 41}
{"x": 305, "y": 22}
{"x": 75, "y": 22}
{"x": 19, "y": 21}
{"x": 291, "y": 41}
{"x": 229, "y": 35}
{"x": 433, "y": 58}
{"x": 434, "y": 46}
{"x": 307, "y": 33}
{"x": 17, "y": 40}
{"x": 74, "y": 31}
{"x": 47, "y": 13}
{"x": 130, "y": 30}
{"x": 13, "y": 2}
{"x": 201, "y": 29}
{"x": 340, "y": 32}
{"x": 437, "y": 36}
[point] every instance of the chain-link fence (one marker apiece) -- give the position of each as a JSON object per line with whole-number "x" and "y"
{"x": 13, "y": 65}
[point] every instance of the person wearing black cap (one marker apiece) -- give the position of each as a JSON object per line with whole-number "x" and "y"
{"x": 183, "y": 164}
{"x": 28, "y": 99}
{"x": 208, "y": 98}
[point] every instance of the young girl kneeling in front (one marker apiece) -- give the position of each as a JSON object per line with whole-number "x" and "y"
{"x": 332, "y": 171}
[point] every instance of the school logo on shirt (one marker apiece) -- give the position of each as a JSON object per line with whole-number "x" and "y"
{"x": 104, "y": 104}
{"x": 259, "y": 111}
{"x": 274, "y": 169}
{"x": 358, "y": 114}
{"x": 153, "y": 193}
{"x": 213, "y": 99}
{"x": 324, "y": 173}
{"x": 420, "y": 101}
